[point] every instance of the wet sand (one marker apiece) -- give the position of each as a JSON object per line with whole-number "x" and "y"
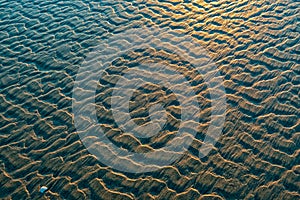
{"x": 255, "y": 45}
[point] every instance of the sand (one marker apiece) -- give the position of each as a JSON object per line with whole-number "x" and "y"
{"x": 255, "y": 46}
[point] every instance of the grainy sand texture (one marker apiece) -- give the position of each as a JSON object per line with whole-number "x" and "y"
{"x": 253, "y": 44}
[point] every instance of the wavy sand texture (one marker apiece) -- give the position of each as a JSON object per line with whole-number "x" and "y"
{"x": 255, "y": 45}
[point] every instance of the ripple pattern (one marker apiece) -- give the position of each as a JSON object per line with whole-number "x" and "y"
{"x": 255, "y": 45}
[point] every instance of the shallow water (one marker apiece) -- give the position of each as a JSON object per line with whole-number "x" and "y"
{"x": 255, "y": 46}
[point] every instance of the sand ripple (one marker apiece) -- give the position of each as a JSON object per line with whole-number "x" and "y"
{"x": 255, "y": 45}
